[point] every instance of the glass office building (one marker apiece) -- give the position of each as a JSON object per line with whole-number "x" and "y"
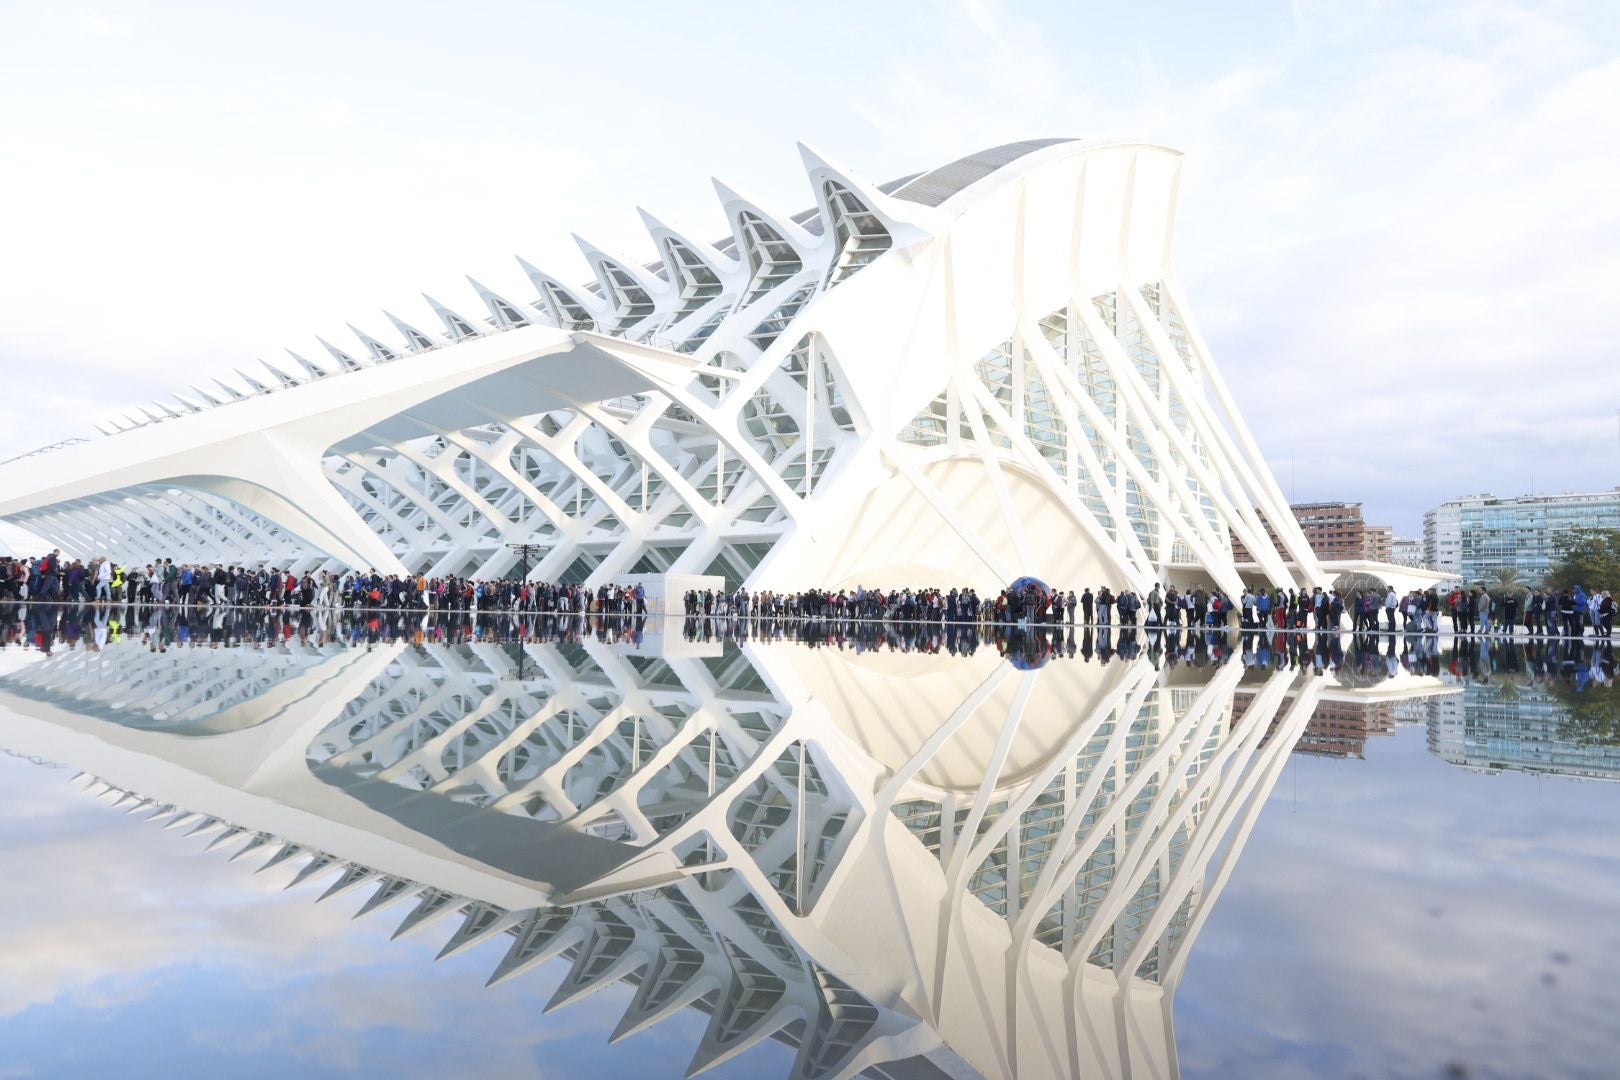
{"x": 1478, "y": 534}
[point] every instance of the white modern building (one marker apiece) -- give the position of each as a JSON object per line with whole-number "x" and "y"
{"x": 1472, "y": 537}
{"x": 978, "y": 372}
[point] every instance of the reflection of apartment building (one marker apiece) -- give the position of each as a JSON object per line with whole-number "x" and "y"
{"x": 1477, "y": 534}
{"x": 1521, "y": 728}
{"x": 1413, "y": 711}
{"x": 1341, "y": 728}
{"x": 1335, "y": 530}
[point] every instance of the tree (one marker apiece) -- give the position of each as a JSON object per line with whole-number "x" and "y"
{"x": 1589, "y": 557}
{"x": 1503, "y": 579}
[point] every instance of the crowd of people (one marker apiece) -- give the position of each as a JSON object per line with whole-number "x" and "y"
{"x": 1475, "y": 610}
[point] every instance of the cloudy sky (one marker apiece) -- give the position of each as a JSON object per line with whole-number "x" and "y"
{"x": 1398, "y": 231}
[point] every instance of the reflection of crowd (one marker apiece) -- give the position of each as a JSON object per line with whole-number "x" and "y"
{"x": 71, "y": 626}
{"x": 1355, "y": 659}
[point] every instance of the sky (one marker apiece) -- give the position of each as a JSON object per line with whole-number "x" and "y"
{"x": 1398, "y": 229}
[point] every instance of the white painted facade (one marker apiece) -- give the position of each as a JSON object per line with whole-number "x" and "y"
{"x": 980, "y": 372}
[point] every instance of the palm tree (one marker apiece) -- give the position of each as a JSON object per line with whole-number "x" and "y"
{"x": 1503, "y": 579}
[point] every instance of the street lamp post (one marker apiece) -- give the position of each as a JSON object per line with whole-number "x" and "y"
{"x": 525, "y": 552}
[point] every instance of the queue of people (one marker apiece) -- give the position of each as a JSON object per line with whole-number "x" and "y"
{"x": 1541, "y": 611}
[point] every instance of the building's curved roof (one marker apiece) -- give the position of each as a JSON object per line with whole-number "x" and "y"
{"x": 937, "y": 185}
{"x": 926, "y": 188}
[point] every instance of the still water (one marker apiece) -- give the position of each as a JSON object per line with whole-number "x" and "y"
{"x": 267, "y": 845}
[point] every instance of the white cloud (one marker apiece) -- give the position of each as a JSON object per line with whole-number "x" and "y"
{"x": 102, "y": 25}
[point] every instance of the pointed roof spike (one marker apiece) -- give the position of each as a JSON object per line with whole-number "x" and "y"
{"x": 632, "y": 293}
{"x": 607, "y": 955}
{"x": 229, "y": 834}
{"x": 591, "y": 306}
{"x": 391, "y": 891}
{"x": 253, "y": 384}
{"x": 891, "y": 210}
{"x": 795, "y": 234}
{"x": 102, "y": 425}
{"x": 287, "y": 381}
{"x": 312, "y": 868}
{"x": 774, "y": 249}
{"x": 190, "y": 406}
{"x": 722, "y": 262}
{"x": 203, "y": 826}
{"x": 179, "y": 819}
{"x": 457, "y": 326}
{"x": 315, "y": 371}
{"x": 483, "y": 920}
{"x": 347, "y": 362}
{"x": 544, "y": 934}
{"x": 149, "y": 417}
{"x": 287, "y": 851}
{"x": 644, "y": 1010}
{"x": 258, "y": 841}
{"x": 353, "y": 874}
{"x": 595, "y": 255}
{"x": 748, "y": 982}
{"x": 434, "y": 905}
{"x": 503, "y": 313}
{"x": 379, "y": 352}
{"x": 167, "y": 411}
{"x": 232, "y": 392}
{"x": 415, "y": 340}
{"x": 208, "y": 399}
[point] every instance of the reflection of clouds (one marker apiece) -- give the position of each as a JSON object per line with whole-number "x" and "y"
{"x": 1403, "y": 916}
{"x": 98, "y": 900}
{"x": 353, "y": 1021}
{"x": 109, "y": 914}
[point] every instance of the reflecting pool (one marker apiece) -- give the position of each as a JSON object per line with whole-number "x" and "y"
{"x": 258, "y": 843}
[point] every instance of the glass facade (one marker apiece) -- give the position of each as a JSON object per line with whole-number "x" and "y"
{"x": 1479, "y": 534}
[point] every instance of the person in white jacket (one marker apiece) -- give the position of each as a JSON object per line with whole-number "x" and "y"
{"x": 103, "y": 580}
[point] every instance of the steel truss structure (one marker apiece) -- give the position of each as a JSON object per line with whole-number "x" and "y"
{"x": 981, "y": 371}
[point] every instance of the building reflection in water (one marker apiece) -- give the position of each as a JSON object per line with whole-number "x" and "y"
{"x": 898, "y": 862}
